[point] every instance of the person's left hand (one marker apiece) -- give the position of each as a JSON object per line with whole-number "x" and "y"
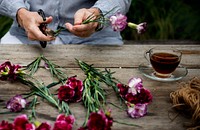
{"x": 83, "y": 30}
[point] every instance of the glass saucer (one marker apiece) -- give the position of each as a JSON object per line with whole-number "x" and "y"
{"x": 148, "y": 71}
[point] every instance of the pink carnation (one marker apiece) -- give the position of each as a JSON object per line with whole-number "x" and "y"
{"x": 136, "y": 111}
{"x": 118, "y": 22}
{"x": 16, "y": 103}
{"x": 64, "y": 122}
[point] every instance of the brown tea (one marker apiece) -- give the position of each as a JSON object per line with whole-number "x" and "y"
{"x": 164, "y": 63}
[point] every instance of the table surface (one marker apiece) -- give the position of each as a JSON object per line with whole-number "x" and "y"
{"x": 124, "y": 60}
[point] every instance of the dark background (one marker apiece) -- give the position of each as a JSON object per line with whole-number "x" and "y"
{"x": 167, "y": 19}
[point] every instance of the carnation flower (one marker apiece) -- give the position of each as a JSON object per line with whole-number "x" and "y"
{"x": 5, "y": 69}
{"x": 123, "y": 89}
{"x": 136, "y": 97}
{"x": 16, "y": 103}
{"x": 4, "y": 125}
{"x": 71, "y": 91}
{"x": 135, "y": 84}
{"x": 9, "y": 71}
{"x": 64, "y": 122}
{"x": 22, "y": 123}
{"x": 99, "y": 121}
{"x": 44, "y": 126}
{"x": 141, "y": 28}
{"x": 136, "y": 111}
{"x": 118, "y": 22}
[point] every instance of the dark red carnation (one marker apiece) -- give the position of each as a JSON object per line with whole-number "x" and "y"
{"x": 4, "y": 125}
{"x": 44, "y": 126}
{"x": 21, "y": 123}
{"x": 71, "y": 91}
{"x": 65, "y": 93}
{"x": 123, "y": 89}
{"x": 144, "y": 97}
{"x": 132, "y": 98}
{"x": 99, "y": 121}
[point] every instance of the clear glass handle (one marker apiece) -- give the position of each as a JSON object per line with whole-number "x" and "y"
{"x": 147, "y": 55}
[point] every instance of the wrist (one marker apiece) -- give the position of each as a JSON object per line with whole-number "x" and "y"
{"x": 95, "y": 10}
{"x": 98, "y": 12}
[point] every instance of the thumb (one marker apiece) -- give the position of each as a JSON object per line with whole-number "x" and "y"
{"x": 48, "y": 20}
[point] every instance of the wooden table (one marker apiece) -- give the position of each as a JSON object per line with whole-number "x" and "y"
{"x": 124, "y": 60}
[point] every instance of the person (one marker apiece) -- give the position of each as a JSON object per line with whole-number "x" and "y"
{"x": 67, "y": 14}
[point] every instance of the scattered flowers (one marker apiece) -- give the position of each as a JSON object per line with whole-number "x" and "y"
{"x": 71, "y": 91}
{"x": 22, "y": 122}
{"x": 16, "y": 103}
{"x": 136, "y": 96}
{"x": 89, "y": 91}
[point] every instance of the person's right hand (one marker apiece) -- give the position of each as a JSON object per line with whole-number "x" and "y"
{"x": 31, "y": 21}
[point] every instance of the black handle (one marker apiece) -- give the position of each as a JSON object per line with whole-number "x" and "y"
{"x": 42, "y": 27}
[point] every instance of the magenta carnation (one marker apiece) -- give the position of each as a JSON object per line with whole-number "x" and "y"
{"x": 21, "y": 123}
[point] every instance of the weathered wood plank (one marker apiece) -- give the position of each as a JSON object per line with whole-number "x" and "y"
{"x": 106, "y": 56}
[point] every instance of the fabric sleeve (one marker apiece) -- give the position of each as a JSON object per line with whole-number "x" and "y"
{"x": 117, "y": 6}
{"x": 10, "y": 7}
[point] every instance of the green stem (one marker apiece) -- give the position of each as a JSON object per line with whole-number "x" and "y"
{"x": 132, "y": 25}
{"x": 123, "y": 123}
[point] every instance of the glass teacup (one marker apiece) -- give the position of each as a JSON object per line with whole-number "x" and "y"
{"x": 163, "y": 60}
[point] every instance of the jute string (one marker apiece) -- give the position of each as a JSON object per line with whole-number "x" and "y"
{"x": 187, "y": 100}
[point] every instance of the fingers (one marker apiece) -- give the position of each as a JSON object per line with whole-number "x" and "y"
{"x": 34, "y": 33}
{"x": 31, "y": 21}
{"x": 83, "y": 30}
{"x": 79, "y": 29}
{"x": 79, "y": 17}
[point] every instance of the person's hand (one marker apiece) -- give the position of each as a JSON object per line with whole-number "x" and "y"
{"x": 31, "y": 21}
{"x": 83, "y": 30}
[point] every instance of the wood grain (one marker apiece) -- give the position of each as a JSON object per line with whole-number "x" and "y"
{"x": 123, "y": 60}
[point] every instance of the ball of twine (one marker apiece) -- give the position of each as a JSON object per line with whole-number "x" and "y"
{"x": 187, "y": 100}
